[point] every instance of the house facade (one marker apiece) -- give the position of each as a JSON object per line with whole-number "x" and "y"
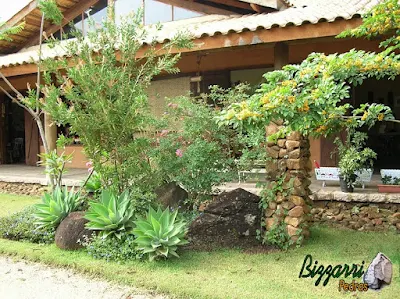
{"x": 236, "y": 41}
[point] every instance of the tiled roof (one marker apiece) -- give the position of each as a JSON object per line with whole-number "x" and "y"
{"x": 300, "y": 12}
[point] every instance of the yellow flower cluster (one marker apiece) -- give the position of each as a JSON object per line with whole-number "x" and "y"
{"x": 315, "y": 93}
{"x": 230, "y": 115}
{"x": 246, "y": 113}
{"x": 381, "y": 116}
{"x": 305, "y": 107}
{"x": 321, "y": 129}
{"x": 266, "y": 98}
{"x": 290, "y": 83}
{"x": 364, "y": 117}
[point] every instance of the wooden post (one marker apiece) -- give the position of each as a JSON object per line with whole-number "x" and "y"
{"x": 281, "y": 55}
{"x": 111, "y": 11}
{"x": 3, "y": 125}
{"x": 50, "y": 132}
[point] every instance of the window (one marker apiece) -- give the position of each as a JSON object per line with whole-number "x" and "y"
{"x": 125, "y": 7}
{"x": 183, "y": 13}
{"x": 154, "y": 12}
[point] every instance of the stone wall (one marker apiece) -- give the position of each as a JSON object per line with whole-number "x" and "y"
{"x": 289, "y": 157}
{"x": 360, "y": 216}
{"x": 22, "y": 189}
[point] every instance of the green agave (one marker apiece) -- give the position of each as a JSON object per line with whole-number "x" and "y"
{"x": 55, "y": 207}
{"x": 160, "y": 234}
{"x": 111, "y": 215}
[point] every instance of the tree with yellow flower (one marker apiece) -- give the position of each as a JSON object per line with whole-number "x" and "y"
{"x": 310, "y": 97}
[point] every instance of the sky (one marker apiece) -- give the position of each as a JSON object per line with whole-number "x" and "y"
{"x": 10, "y": 8}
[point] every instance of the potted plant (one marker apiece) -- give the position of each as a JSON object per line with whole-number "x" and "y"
{"x": 353, "y": 158}
{"x": 390, "y": 184}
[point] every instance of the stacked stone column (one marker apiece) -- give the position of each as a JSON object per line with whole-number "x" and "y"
{"x": 289, "y": 156}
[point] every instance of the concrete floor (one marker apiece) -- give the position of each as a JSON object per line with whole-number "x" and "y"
{"x": 14, "y": 173}
{"x": 36, "y": 175}
{"x": 74, "y": 177}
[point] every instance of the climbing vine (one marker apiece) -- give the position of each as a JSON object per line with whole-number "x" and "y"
{"x": 277, "y": 233}
{"x": 310, "y": 97}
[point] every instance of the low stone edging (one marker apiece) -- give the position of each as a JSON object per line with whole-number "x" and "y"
{"x": 362, "y": 216}
{"x": 22, "y": 188}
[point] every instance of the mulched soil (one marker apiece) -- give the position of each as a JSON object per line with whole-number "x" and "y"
{"x": 248, "y": 245}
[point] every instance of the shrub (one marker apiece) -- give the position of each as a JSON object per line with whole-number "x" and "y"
{"x": 194, "y": 151}
{"x": 353, "y": 156}
{"x": 112, "y": 249}
{"x": 160, "y": 234}
{"x": 94, "y": 183}
{"x": 112, "y": 215}
{"x": 56, "y": 206}
{"x": 106, "y": 97}
{"x": 21, "y": 226}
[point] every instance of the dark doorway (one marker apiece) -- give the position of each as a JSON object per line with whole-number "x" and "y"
{"x": 384, "y": 137}
{"x": 15, "y": 138}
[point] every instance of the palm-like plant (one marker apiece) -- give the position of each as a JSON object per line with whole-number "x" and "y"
{"x": 111, "y": 215}
{"x": 56, "y": 206}
{"x": 160, "y": 233}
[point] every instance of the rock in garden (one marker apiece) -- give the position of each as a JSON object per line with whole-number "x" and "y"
{"x": 71, "y": 230}
{"x": 171, "y": 195}
{"x": 232, "y": 216}
{"x": 379, "y": 272}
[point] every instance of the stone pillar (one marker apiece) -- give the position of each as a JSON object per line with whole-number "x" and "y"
{"x": 50, "y": 130}
{"x": 289, "y": 158}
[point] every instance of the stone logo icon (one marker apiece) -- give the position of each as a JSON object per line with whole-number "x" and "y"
{"x": 379, "y": 272}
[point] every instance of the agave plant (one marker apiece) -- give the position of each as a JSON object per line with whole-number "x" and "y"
{"x": 56, "y": 206}
{"x": 111, "y": 215}
{"x": 160, "y": 233}
{"x": 94, "y": 183}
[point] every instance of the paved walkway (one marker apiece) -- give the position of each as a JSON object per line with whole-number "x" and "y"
{"x": 25, "y": 280}
{"x": 74, "y": 177}
{"x": 15, "y": 173}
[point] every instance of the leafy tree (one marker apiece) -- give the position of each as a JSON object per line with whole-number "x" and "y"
{"x": 101, "y": 93}
{"x": 311, "y": 97}
{"x": 32, "y": 102}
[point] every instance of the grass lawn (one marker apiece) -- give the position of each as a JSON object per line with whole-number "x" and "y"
{"x": 10, "y": 203}
{"x": 233, "y": 274}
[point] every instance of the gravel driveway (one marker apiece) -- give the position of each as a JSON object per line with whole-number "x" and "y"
{"x": 25, "y": 280}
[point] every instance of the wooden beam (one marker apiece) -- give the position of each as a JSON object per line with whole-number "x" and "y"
{"x": 233, "y": 3}
{"x": 19, "y": 16}
{"x": 281, "y": 55}
{"x": 20, "y": 82}
{"x": 69, "y": 15}
{"x": 259, "y": 9}
{"x": 275, "y": 4}
{"x": 194, "y": 6}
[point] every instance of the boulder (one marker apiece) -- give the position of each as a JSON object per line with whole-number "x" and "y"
{"x": 231, "y": 216}
{"x": 71, "y": 230}
{"x": 171, "y": 195}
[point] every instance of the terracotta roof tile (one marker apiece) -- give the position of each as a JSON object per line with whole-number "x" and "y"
{"x": 300, "y": 12}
